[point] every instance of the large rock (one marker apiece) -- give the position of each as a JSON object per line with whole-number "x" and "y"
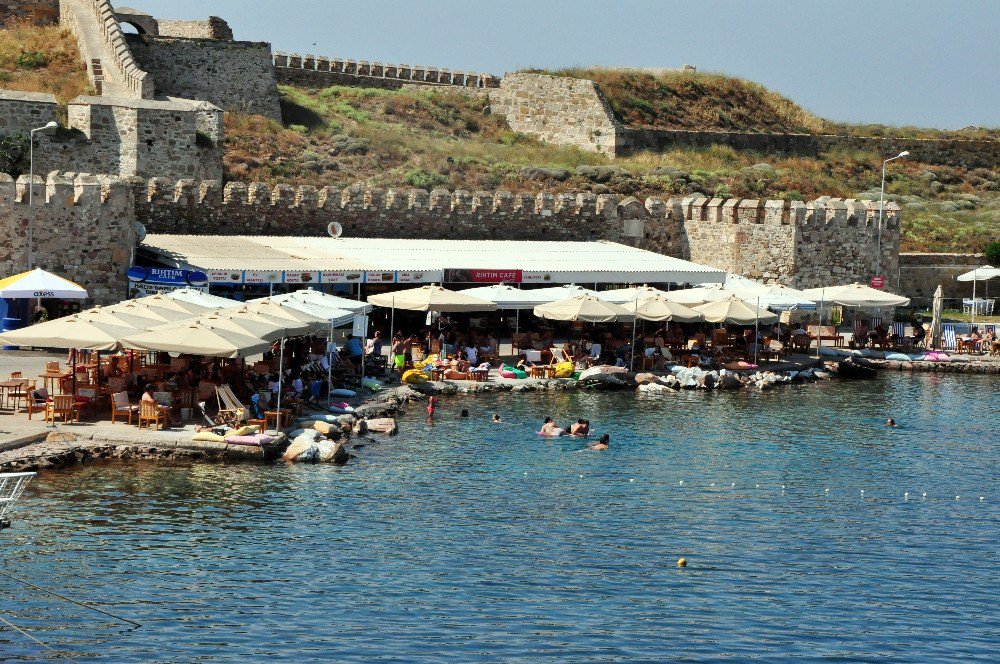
{"x": 304, "y": 449}
{"x": 385, "y": 425}
{"x": 729, "y": 381}
{"x": 325, "y": 428}
{"x": 331, "y": 452}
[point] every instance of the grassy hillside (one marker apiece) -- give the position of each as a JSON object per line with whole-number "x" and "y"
{"x": 41, "y": 59}
{"x": 342, "y": 136}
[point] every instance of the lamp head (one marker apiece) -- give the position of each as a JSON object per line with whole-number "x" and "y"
{"x": 48, "y": 129}
{"x": 904, "y": 153}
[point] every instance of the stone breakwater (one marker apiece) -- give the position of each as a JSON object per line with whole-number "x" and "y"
{"x": 967, "y": 367}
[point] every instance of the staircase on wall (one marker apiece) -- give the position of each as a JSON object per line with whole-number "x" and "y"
{"x": 101, "y": 60}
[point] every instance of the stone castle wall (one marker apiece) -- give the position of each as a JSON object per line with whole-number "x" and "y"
{"x": 322, "y": 72}
{"x": 213, "y": 28}
{"x": 121, "y": 137}
{"x": 233, "y": 75}
{"x": 557, "y": 109}
{"x": 82, "y": 229}
{"x": 919, "y": 275}
{"x": 39, "y": 12}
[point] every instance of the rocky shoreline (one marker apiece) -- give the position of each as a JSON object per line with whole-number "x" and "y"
{"x": 957, "y": 367}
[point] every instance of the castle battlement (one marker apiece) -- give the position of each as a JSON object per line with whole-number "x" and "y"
{"x": 62, "y": 190}
{"x": 395, "y": 73}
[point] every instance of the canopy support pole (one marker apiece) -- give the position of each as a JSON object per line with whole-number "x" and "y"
{"x": 819, "y": 338}
{"x": 281, "y": 378}
{"x": 973, "y": 303}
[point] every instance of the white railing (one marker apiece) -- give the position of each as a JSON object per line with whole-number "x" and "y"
{"x": 11, "y": 487}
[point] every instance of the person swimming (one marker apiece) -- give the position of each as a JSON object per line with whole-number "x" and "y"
{"x": 431, "y": 403}
{"x": 580, "y": 428}
{"x": 550, "y": 428}
{"x": 496, "y": 418}
{"x": 602, "y": 444}
{"x": 465, "y": 412}
{"x": 890, "y": 422}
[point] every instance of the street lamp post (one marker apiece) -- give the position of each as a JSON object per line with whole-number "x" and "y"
{"x": 881, "y": 204}
{"x": 48, "y": 129}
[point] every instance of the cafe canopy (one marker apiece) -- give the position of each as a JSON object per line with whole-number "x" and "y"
{"x": 323, "y": 260}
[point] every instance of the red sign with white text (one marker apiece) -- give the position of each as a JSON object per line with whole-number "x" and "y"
{"x": 485, "y": 276}
{"x": 878, "y": 282}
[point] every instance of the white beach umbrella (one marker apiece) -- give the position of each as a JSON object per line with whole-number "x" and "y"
{"x": 76, "y": 331}
{"x": 584, "y": 307}
{"x": 506, "y": 296}
{"x": 631, "y": 294}
{"x": 38, "y": 284}
{"x": 735, "y": 311}
{"x": 937, "y": 312}
{"x": 693, "y": 297}
{"x": 200, "y": 298}
{"x": 161, "y": 301}
{"x": 197, "y": 338}
{"x": 773, "y": 296}
{"x": 984, "y": 273}
{"x": 856, "y": 295}
{"x": 332, "y": 316}
{"x": 660, "y": 309}
{"x": 265, "y": 328}
{"x": 324, "y": 300}
{"x": 555, "y": 293}
{"x": 431, "y": 298}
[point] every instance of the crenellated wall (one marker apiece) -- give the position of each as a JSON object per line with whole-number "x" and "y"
{"x": 321, "y": 71}
{"x": 82, "y": 229}
{"x": 801, "y": 244}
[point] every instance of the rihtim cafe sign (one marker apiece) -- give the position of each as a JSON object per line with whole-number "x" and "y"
{"x": 485, "y": 276}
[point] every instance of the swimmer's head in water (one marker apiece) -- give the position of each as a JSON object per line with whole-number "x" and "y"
{"x": 496, "y": 417}
{"x": 605, "y": 439}
{"x": 547, "y": 420}
{"x": 465, "y": 412}
{"x": 890, "y": 422}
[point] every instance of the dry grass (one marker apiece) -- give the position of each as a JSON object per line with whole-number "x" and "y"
{"x": 696, "y": 100}
{"x": 41, "y": 59}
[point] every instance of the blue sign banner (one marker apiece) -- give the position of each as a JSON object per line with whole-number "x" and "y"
{"x": 166, "y": 275}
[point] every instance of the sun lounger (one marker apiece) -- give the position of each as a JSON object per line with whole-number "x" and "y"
{"x": 231, "y": 409}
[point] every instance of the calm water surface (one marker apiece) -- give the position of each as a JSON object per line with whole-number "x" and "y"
{"x": 468, "y": 541}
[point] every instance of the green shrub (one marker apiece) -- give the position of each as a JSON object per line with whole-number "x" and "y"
{"x": 992, "y": 253}
{"x": 31, "y": 60}
{"x": 422, "y": 179}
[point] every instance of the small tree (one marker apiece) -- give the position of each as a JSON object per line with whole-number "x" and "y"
{"x": 992, "y": 253}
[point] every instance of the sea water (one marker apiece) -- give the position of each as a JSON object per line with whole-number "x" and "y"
{"x": 809, "y": 527}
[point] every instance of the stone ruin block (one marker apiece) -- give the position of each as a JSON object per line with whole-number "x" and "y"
{"x": 403, "y": 72}
{"x": 309, "y": 62}
{"x": 236, "y": 193}
{"x": 775, "y": 213}
{"x": 565, "y": 203}
{"x": 295, "y": 61}
{"x": 259, "y": 193}
{"x": 283, "y": 195}
{"x": 586, "y": 204}
{"x": 322, "y": 63}
{"x": 656, "y": 208}
{"x": 432, "y": 75}
{"x": 607, "y": 205}
{"x": 503, "y": 202}
{"x": 329, "y": 198}
{"x": 87, "y": 189}
{"x": 377, "y": 69}
{"x": 729, "y": 213}
{"x": 350, "y": 67}
{"x": 471, "y": 79}
{"x": 524, "y": 203}
{"x": 545, "y": 203}
{"x": 749, "y": 212}
{"x": 58, "y": 189}
{"x": 364, "y": 68}
{"x": 396, "y": 200}
{"x": 461, "y": 202}
{"x": 336, "y": 65}
{"x": 482, "y": 201}
{"x": 444, "y": 76}
{"x": 390, "y": 71}
{"x": 185, "y": 191}
{"x": 210, "y": 193}
{"x": 307, "y": 197}
{"x": 418, "y": 73}
{"x": 419, "y": 199}
{"x": 440, "y": 200}
{"x": 280, "y": 59}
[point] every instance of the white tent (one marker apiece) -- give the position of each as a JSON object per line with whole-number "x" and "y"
{"x": 508, "y": 297}
{"x": 693, "y": 297}
{"x": 631, "y": 294}
{"x": 324, "y": 299}
{"x": 771, "y": 296}
{"x": 984, "y": 273}
{"x": 555, "y": 293}
{"x": 200, "y": 298}
{"x": 331, "y": 316}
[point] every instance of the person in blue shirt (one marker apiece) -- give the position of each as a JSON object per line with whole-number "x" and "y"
{"x": 353, "y": 347}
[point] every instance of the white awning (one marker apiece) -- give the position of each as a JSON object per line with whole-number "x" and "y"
{"x": 318, "y": 260}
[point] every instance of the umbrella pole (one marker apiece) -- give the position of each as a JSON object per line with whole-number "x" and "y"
{"x": 281, "y": 378}
{"x": 756, "y": 331}
{"x": 631, "y": 362}
{"x": 819, "y": 340}
{"x": 973, "y": 303}
{"x": 329, "y": 364}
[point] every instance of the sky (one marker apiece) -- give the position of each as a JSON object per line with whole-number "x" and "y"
{"x": 900, "y": 62}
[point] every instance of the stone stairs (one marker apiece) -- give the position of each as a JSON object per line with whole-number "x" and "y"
{"x": 100, "y": 59}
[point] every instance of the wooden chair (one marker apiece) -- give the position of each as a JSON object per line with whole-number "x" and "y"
{"x": 87, "y": 399}
{"x": 151, "y": 413}
{"x": 120, "y": 405}
{"x": 231, "y": 409}
{"x": 23, "y": 392}
{"x": 52, "y": 367}
{"x": 37, "y": 400}
{"x": 63, "y": 405}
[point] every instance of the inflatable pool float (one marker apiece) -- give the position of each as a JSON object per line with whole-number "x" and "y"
{"x": 371, "y": 384}
{"x": 554, "y": 434}
{"x": 564, "y": 370}
{"x": 507, "y": 372}
{"x": 341, "y": 392}
{"x": 341, "y": 407}
{"x": 414, "y": 377}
